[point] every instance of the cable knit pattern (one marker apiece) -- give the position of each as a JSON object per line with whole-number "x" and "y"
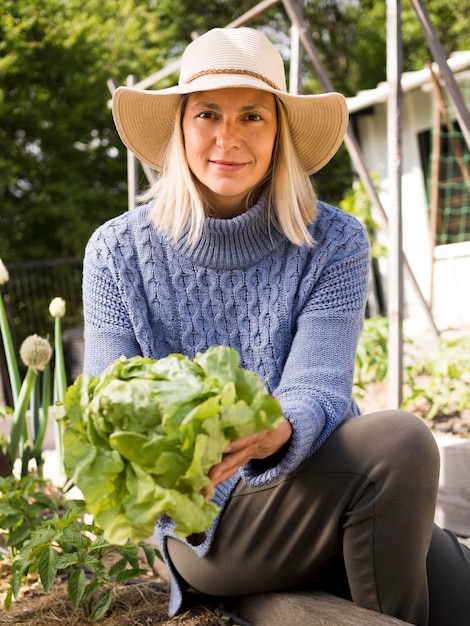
{"x": 294, "y": 314}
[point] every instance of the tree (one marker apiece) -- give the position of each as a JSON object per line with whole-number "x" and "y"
{"x": 62, "y": 165}
{"x": 451, "y": 20}
{"x": 61, "y": 171}
{"x": 350, "y": 38}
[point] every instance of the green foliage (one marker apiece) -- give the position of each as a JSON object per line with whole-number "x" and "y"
{"x": 140, "y": 439}
{"x": 17, "y": 440}
{"x": 350, "y": 37}
{"x": 441, "y": 378}
{"x": 35, "y": 390}
{"x": 62, "y": 171}
{"x": 357, "y": 202}
{"x": 451, "y": 23}
{"x": 62, "y": 164}
{"x": 345, "y": 34}
{"x": 23, "y": 505}
{"x": 66, "y": 544}
{"x": 437, "y": 381}
{"x": 372, "y": 354}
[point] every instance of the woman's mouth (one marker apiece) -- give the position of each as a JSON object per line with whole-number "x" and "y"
{"x": 228, "y": 166}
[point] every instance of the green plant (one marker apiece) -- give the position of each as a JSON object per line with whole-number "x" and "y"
{"x": 141, "y": 438}
{"x": 357, "y": 202}
{"x": 441, "y": 378}
{"x": 34, "y": 392}
{"x": 24, "y": 504}
{"x": 57, "y": 311}
{"x": 67, "y": 544}
{"x": 372, "y": 354}
{"x": 12, "y": 364}
{"x": 35, "y": 353}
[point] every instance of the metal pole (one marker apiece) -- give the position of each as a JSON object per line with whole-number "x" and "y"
{"x": 434, "y": 186}
{"x": 132, "y": 166}
{"x": 295, "y": 54}
{"x": 395, "y": 253}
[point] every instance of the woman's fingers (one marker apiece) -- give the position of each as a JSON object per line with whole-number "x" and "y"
{"x": 258, "y": 446}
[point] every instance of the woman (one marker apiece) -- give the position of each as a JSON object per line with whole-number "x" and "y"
{"x": 233, "y": 248}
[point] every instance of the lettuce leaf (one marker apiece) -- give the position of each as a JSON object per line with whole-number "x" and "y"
{"x": 141, "y": 438}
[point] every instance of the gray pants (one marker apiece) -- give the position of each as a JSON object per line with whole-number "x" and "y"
{"x": 355, "y": 519}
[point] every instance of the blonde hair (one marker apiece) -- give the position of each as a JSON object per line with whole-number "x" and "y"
{"x": 179, "y": 204}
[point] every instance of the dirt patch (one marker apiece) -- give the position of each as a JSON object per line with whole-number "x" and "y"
{"x": 140, "y": 604}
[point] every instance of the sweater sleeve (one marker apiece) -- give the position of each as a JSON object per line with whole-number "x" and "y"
{"x": 108, "y": 329}
{"x": 315, "y": 390}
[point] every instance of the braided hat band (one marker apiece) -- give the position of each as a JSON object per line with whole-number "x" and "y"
{"x": 223, "y": 58}
{"x": 231, "y": 71}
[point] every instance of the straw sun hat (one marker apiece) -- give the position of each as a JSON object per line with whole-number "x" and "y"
{"x": 221, "y": 58}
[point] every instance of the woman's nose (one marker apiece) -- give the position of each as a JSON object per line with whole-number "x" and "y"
{"x": 228, "y": 136}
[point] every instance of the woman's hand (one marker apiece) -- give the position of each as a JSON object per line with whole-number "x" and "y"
{"x": 258, "y": 446}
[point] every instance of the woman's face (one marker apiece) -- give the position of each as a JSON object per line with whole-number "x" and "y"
{"x": 229, "y": 137}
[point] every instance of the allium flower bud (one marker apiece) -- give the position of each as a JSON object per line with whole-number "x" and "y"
{"x": 35, "y": 352}
{"x": 57, "y": 307}
{"x": 3, "y": 273}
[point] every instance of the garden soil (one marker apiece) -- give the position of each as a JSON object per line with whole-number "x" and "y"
{"x": 140, "y": 604}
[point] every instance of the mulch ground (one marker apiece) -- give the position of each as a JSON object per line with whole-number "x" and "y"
{"x": 142, "y": 604}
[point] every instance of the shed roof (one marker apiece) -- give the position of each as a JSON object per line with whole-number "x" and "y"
{"x": 458, "y": 62}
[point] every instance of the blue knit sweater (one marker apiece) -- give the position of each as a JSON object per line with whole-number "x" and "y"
{"x": 294, "y": 314}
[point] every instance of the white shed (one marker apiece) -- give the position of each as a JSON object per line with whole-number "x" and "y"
{"x": 436, "y": 241}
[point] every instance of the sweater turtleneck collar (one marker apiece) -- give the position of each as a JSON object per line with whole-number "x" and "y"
{"x": 236, "y": 242}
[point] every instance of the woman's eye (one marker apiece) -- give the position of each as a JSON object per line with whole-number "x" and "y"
{"x": 253, "y": 117}
{"x": 206, "y": 115}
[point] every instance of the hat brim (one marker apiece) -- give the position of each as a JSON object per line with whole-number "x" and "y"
{"x": 145, "y": 119}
